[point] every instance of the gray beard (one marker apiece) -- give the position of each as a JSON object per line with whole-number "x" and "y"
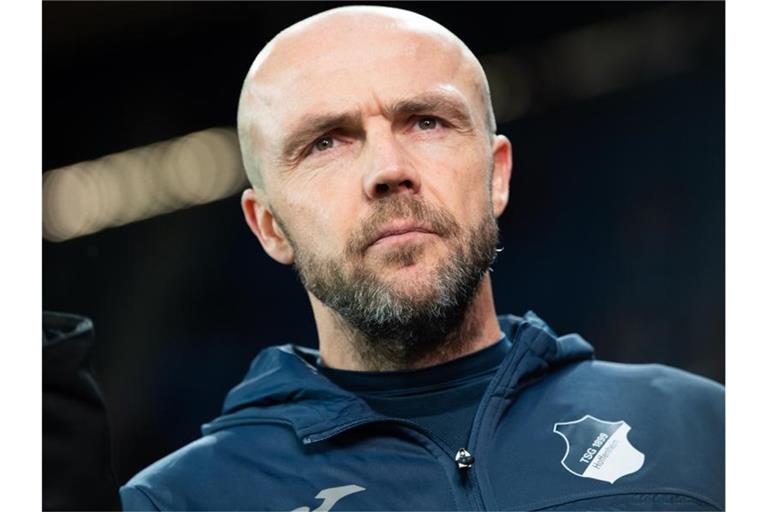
{"x": 389, "y": 328}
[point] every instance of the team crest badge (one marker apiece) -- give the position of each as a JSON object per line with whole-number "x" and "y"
{"x": 598, "y": 449}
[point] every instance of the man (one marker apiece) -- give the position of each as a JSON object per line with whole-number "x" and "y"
{"x": 369, "y": 139}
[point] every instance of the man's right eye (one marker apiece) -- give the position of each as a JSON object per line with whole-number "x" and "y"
{"x": 323, "y": 143}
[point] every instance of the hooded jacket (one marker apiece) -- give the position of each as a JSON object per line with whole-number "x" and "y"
{"x": 555, "y": 430}
{"x": 77, "y": 455}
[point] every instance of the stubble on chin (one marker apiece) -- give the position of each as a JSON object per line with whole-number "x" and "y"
{"x": 397, "y": 258}
{"x": 392, "y": 326}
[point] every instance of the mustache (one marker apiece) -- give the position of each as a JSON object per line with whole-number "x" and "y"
{"x": 401, "y": 207}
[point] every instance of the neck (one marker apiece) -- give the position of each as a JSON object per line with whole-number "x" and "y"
{"x": 340, "y": 347}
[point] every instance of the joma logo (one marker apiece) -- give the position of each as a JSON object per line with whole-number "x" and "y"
{"x": 330, "y": 497}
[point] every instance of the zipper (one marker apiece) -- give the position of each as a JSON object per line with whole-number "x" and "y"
{"x": 462, "y": 458}
{"x": 504, "y": 373}
{"x": 475, "y": 494}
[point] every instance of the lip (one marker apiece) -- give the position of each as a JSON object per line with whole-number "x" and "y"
{"x": 396, "y": 230}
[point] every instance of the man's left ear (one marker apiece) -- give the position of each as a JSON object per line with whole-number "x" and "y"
{"x": 502, "y": 170}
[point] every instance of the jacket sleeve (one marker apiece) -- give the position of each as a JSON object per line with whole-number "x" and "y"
{"x": 133, "y": 498}
{"x": 77, "y": 455}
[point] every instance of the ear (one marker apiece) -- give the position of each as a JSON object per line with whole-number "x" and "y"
{"x": 502, "y": 171}
{"x": 264, "y": 225}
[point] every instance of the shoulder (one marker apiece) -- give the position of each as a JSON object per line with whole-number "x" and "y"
{"x": 206, "y": 470}
{"x": 644, "y": 383}
{"x": 665, "y": 431}
{"x": 665, "y": 393}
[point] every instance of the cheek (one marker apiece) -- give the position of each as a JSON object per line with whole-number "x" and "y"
{"x": 318, "y": 221}
{"x": 459, "y": 181}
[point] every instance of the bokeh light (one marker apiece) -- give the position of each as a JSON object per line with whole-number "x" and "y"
{"x": 132, "y": 185}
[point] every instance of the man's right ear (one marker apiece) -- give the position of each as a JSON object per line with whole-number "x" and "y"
{"x": 264, "y": 225}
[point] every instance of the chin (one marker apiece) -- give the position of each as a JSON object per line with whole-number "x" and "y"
{"x": 417, "y": 256}
{"x": 416, "y": 281}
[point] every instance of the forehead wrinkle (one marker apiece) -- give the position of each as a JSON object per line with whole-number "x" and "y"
{"x": 313, "y": 125}
{"x": 423, "y": 37}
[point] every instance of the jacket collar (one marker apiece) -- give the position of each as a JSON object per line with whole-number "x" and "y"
{"x": 283, "y": 386}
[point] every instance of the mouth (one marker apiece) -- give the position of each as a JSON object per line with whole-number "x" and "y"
{"x": 400, "y": 232}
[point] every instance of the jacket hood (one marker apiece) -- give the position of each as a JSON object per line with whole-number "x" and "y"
{"x": 283, "y": 385}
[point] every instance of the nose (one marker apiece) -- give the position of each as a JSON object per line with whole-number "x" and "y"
{"x": 390, "y": 169}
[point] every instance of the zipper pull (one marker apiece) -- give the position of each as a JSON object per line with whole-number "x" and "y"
{"x": 464, "y": 459}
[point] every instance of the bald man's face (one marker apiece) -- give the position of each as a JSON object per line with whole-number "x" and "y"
{"x": 375, "y": 153}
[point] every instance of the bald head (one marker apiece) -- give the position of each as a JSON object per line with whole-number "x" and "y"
{"x": 355, "y": 55}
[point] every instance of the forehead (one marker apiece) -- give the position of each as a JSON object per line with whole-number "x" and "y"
{"x": 359, "y": 66}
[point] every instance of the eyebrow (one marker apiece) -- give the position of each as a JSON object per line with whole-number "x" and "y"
{"x": 432, "y": 102}
{"x": 312, "y": 126}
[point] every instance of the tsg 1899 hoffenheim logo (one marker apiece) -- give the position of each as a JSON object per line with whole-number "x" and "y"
{"x": 598, "y": 449}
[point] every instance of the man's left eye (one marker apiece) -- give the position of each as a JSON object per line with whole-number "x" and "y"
{"x": 428, "y": 123}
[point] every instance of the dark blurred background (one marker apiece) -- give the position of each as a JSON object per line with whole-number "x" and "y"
{"x": 615, "y": 227}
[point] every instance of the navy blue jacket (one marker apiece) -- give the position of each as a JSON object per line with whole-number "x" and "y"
{"x": 555, "y": 430}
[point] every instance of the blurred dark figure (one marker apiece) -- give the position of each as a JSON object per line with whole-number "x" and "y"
{"x": 77, "y": 468}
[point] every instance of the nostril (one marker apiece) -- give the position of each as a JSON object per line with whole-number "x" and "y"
{"x": 407, "y": 184}
{"x": 382, "y": 188}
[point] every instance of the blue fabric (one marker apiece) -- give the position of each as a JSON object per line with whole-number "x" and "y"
{"x": 442, "y": 399}
{"x": 289, "y": 439}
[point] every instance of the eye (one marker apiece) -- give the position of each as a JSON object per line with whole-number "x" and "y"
{"x": 427, "y": 123}
{"x": 323, "y": 143}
